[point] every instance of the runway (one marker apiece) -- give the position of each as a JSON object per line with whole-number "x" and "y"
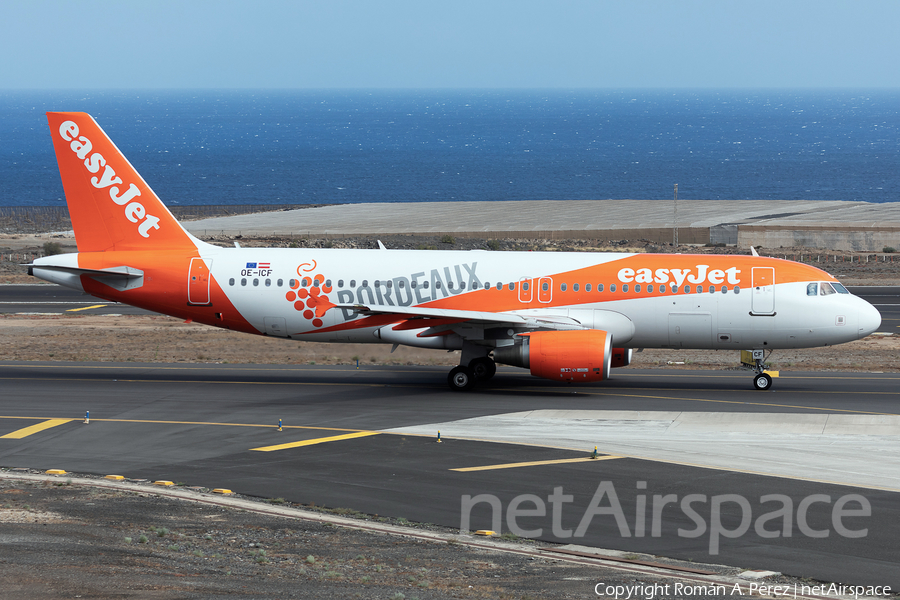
{"x": 54, "y": 299}
{"x": 366, "y": 440}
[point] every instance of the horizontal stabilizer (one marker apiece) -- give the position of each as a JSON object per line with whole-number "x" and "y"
{"x": 120, "y": 278}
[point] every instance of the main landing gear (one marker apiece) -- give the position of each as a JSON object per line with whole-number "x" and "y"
{"x": 463, "y": 377}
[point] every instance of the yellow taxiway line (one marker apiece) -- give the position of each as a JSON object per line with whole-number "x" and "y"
{"x": 334, "y": 438}
{"x": 26, "y": 431}
{"x": 85, "y": 308}
{"x": 535, "y": 463}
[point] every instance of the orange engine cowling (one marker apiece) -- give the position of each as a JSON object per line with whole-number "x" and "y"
{"x": 578, "y": 355}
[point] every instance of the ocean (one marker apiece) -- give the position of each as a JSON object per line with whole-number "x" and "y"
{"x": 310, "y": 147}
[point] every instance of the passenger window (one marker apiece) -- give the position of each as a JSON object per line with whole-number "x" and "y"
{"x": 437, "y": 285}
{"x": 280, "y": 283}
{"x": 625, "y": 288}
{"x": 737, "y": 289}
{"x": 712, "y": 289}
{"x": 389, "y": 283}
{"x": 353, "y": 283}
{"x": 724, "y": 290}
{"x": 562, "y": 287}
{"x": 499, "y": 286}
{"x": 256, "y": 283}
{"x": 574, "y": 287}
{"x": 268, "y": 283}
{"x": 425, "y": 284}
{"x": 587, "y": 287}
{"x": 612, "y": 288}
{"x": 687, "y": 289}
{"x": 413, "y": 284}
{"x": 316, "y": 283}
{"x": 231, "y": 281}
{"x": 637, "y": 288}
{"x": 292, "y": 283}
{"x": 545, "y": 286}
{"x": 825, "y": 289}
{"x": 525, "y": 286}
{"x": 328, "y": 283}
{"x": 462, "y": 286}
{"x": 512, "y": 287}
{"x": 244, "y": 281}
{"x": 649, "y": 289}
{"x": 487, "y": 285}
{"x": 305, "y": 282}
{"x": 365, "y": 283}
{"x": 600, "y": 287}
{"x": 401, "y": 283}
{"x": 377, "y": 284}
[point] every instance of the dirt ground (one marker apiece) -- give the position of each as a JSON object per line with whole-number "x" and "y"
{"x": 134, "y": 338}
{"x": 75, "y": 540}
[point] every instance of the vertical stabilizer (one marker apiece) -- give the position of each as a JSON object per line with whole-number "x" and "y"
{"x": 111, "y": 206}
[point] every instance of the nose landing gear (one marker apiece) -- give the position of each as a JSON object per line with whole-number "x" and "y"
{"x": 755, "y": 361}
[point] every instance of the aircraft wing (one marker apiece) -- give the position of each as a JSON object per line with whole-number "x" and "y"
{"x": 431, "y": 316}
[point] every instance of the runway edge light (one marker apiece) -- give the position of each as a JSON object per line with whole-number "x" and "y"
{"x": 163, "y": 482}
{"x": 114, "y": 477}
{"x": 55, "y": 472}
{"x": 594, "y": 454}
{"x": 439, "y": 437}
{"x": 222, "y": 491}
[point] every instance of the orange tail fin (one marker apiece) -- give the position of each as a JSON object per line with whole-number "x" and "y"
{"x": 111, "y": 206}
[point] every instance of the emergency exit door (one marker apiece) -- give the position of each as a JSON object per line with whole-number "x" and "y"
{"x": 198, "y": 281}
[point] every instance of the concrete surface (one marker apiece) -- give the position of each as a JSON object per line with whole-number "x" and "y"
{"x": 771, "y": 223}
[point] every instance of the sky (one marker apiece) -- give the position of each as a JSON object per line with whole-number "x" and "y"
{"x": 296, "y": 44}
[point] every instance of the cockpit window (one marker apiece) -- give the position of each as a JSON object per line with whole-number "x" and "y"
{"x": 812, "y": 289}
{"x": 825, "y": 289}
{"x": 840, "y": 288}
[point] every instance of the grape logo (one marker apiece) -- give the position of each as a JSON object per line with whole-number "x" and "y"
{"x": 309, "y": 294}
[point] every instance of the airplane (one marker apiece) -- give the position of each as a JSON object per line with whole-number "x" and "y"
{"x": 567, "y": 317}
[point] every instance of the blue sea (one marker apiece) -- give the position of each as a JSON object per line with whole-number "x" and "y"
{"x": 304, "y": 147}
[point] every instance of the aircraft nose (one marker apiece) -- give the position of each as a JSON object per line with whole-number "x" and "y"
{"x": 869, "y": 319}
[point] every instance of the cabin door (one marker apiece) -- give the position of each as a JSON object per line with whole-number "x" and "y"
{"x": 763, "y": 293}
{"x": 198, "y": 282}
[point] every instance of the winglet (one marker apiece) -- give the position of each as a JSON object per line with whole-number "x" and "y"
{"x": 753, "y": 251}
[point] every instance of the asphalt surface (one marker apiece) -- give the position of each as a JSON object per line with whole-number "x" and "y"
{"x": 205, "y": 424}
{"x": 54, "y": 299}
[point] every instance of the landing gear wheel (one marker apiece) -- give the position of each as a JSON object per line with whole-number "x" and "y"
{"x": 762, "y": 381}
{"x": 482, "y": 368}
{"x": 461, "y": 379}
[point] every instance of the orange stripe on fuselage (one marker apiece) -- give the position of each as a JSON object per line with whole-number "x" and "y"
{"x": 164, "y": 288}
{"x": 494, "y": 300}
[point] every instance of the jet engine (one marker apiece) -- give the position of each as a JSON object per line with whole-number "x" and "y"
{"x": 575, "y": 355}
{"x": 621, "y": 357}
